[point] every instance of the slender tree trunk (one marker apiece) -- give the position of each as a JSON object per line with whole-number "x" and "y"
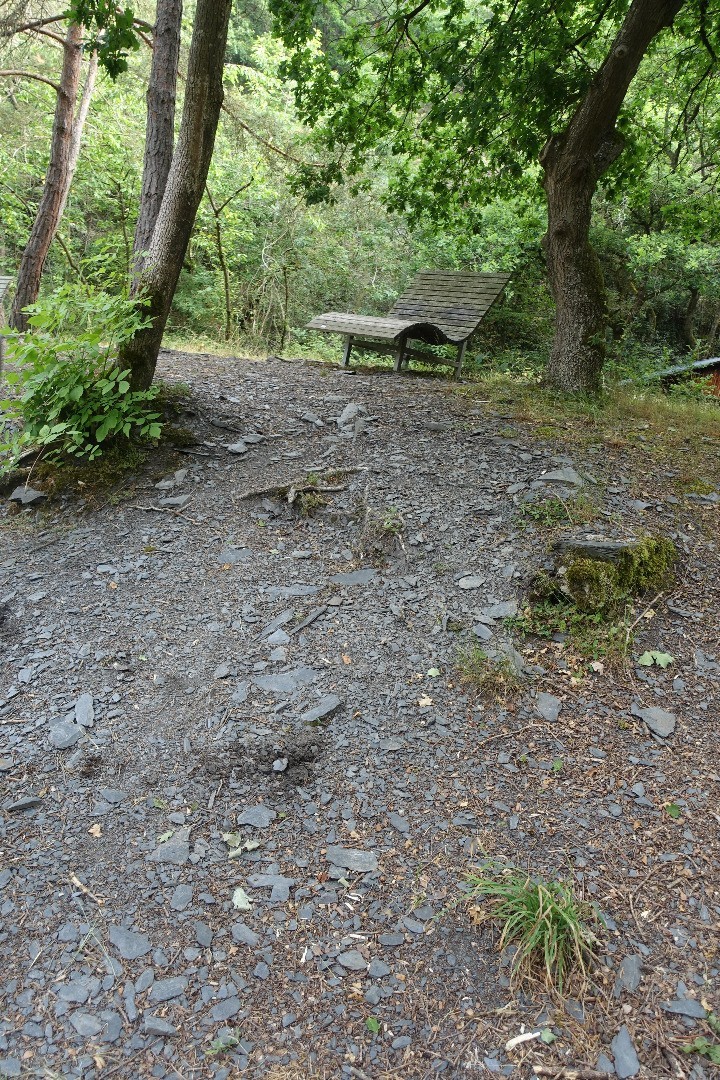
{"x": 54, "y": 193}
{"x": 573, "y": 162}
{"x": 160, "y": 128}
{"x": 185, "y": 185}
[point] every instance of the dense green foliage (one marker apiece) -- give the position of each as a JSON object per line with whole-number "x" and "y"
{"x": 72, "y": 398}
{"x": 657, "y": 223}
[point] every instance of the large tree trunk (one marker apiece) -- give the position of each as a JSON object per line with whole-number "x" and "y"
{"x": 573, "y": 162}
{"x": 160, "y": 128}
{"x": 55, "y": 191}
{"x": 185, "y": 184}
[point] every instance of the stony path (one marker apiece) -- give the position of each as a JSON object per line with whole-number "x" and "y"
{"x": 240, "y": 784}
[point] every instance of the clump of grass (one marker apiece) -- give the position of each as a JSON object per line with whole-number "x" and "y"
{"x": 381, "y": 533}
{"x": 551, "y": 928}
{"x": 493, "y": 677}
{"x": 554, "y": 511}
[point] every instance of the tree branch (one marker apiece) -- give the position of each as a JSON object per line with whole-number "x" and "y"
{"x": 31, "y": 75}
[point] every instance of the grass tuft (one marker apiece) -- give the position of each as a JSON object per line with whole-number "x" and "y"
{"x": 550, "y": 927}
{"x": 494, "y": 677}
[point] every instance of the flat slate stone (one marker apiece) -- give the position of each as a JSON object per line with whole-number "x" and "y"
{"x": 181, "y": 897}
{"x": 355, "y": 577}
{"x": 167, "y": 989}
{"x": 285, "y": 682}
{"x": 399, "y": 823}
{"x": 64, "y": 735}
{"x": 176, "y": 850}
{"x": 362, "y": 862}
{"x": 563, "y": 476}
{"x": 627, "y": 1063}
{"x": 629, "y": 975}
{"x": 26, "y": 495}
{"x": 352, "y": 960}
{"x": 504, "y": 610}
{"x": 470, "y": 581}
{"x": 548, "y": 706}
{"x": 225, "y": 1010}
{"x": 685, "y": 1007}
{"x": 155, "y": 1025}
{"x": 86, "y": 1024}
{"x": 257, "y": 816}
{"x": 28, "y": 802}
{"x": 326, "y": 708}
{"x": 128, "y": 943}
{"x": 85, "y": 710}
{"x": 660, "y": 721}
{"x": 231, "y": 556}
{"x": 244, "y": 935}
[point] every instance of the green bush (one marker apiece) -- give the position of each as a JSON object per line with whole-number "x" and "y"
{"x": 72, "y": 397}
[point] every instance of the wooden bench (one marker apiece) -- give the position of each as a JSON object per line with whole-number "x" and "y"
{"x": 440, "y": 307}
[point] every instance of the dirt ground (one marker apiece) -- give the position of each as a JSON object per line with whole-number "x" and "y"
{"x": 212, "y": 680}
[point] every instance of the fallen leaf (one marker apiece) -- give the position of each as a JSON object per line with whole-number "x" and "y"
{"x": 112, "y": 584}
{"x": 662, "y": 659}
{"x": 95, "y": 830}
{"x": 424, "y": 701}
{"x": 241, "y": 900}
{"x": 372, "y": 1024}
{"x": 673, "y": 810}
{"x": 433, "y": 673}
{"x": 346, "y": 659}
{"x": 164, "y": 837}
{"x": 598, "y": 666}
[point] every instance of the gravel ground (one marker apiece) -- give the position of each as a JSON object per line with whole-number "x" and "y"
{"x": 202, "y": 692}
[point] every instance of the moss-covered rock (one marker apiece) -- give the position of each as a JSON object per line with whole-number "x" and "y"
{"x": 593, "y": 585}
{"x": 646, "y": 565}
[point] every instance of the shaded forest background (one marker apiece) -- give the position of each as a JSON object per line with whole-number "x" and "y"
{"x": 262, "y": 260}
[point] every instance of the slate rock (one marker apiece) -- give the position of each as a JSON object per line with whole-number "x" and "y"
{"x": 391, "y": 940}
{"x": 563, "y": 476}
{"x": 470, "y": 581}
{"x": 480, "y": 630}
{"x": 399, "y": 823}
{"x": 627, "y": 1063}
{"x": 355, "y": 577}
{"x": 260, "y": 817}
{"x": 176, "y": 850}
{"x": 231, "y": 556}
{"x": 244, "y": 935}
{"x": 352, "y": 960}
{"x": 362, "y": 862}
{"x": 85, "y": 710}
{"x": 326, "y": 708}
{"x": 548, "y": 706}
{"x": 181, "y": 897}
{"x": 378, "y": 969}
{"x": 175, "y": 502}
{"x": 155, "y": 1025}
{"x": 226, "y": 1009}
{"x": 285, "y": 682}
{"x": 629, "y": 975}
{"x": 684, "y": 1007}
{"x": 64, "y": 735}
{"x": 504, "y": 610}
{"x": 167, "y": 989}
{"x": 128, "y": 943}
{"x": 10, "y": 1067}
{"x": 28, "y": 802}
{"x": 26, "y": 495}
{"x": 113, "y": 795}
{"x": 279, "y": 884}
{"x": 660, "y": 721}
{"x": 86, "y": 1024}
{"x": 239, "y": 447}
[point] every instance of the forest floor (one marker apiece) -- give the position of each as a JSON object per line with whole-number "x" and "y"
{"x": 202, "y": 692}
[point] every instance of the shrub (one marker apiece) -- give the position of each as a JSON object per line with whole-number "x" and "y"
{"x": 72, "y": 396}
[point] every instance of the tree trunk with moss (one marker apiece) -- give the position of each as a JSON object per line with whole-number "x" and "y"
{"x": 185, "y": 185}
{"x": 573, "y": 162}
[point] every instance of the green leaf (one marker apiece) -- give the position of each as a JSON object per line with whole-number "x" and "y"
{"x": 372, "y": 1024}
{"x": 673, "y": 810}
{"x": 662, "y": 659}
{"x": 433, "y": 673}
{"x": 557, "y": 765}
{"x": 241, "y": 900}
{"x": 164, "y": 837}
{"x": 547, "y": 1036}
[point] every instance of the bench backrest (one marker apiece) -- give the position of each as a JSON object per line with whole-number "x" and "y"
{"x": 454, "y": 300}
{"x": 4, "y": 284}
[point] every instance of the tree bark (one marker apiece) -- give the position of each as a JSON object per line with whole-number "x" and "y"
{"x": 185, "y": 185}
{"x": 54, "y": 193}
{"x": 573, "y": 162}
{"x": 160, "y": 127}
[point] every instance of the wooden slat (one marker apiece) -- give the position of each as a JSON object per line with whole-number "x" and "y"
{"x": 4, "y": 283}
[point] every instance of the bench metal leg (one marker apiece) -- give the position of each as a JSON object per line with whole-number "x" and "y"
{"x": 400, "y": 354}
{"x": 347, "y": 350}
{"x": 460, "y": 358}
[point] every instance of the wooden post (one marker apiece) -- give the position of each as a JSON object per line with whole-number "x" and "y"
{"x": 400, "y": 354}
{"x": 460, "y": 358}
{"x": 347, "y": 350}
